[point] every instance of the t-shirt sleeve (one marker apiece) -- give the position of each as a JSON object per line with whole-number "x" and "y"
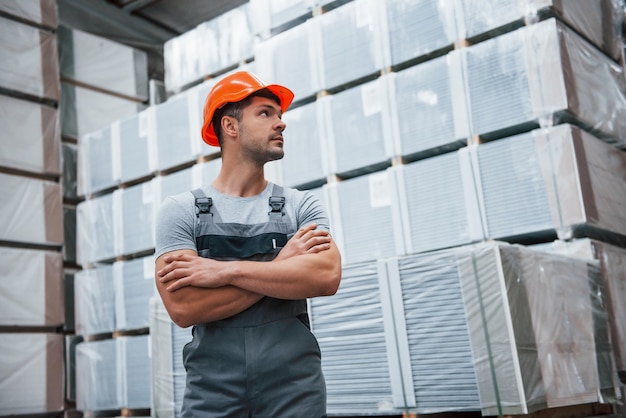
{"x": 311, "y": 211}
{"x": 174, "y": 227}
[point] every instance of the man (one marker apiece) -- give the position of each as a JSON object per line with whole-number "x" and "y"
{"x": 238, "y": 259}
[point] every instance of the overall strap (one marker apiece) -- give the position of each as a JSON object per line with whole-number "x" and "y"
{"x": 204, "y": 206}
{"x": 277, "y": 203}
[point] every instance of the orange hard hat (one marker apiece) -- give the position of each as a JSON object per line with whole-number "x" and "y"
{"x": 233, "y": 88}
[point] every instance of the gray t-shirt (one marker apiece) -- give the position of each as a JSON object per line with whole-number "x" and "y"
{"x": 175, "y": 222}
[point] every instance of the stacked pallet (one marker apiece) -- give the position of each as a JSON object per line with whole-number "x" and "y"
{"x": 32, "y": 310}
{"x": 104, "y": 83}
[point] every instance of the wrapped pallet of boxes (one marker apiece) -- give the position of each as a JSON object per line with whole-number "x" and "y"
{"x": 355, "y": 334}
{"x": 432, "y": 332}
{"x": 31, "y": 284}
{"x": 32, "y": 210}
{"x": 32, "y": 374}
{"x": 81, "y": 58}
{"x": 599, "y": 21}
{"x": 540, "y": 74}
{"x": 31, "y": 136}
{"x": 559, "y": 181}
{"x": 29, "y": 63}
{"x": 538, "y": 329}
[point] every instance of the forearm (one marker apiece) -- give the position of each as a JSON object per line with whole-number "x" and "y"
{"x": 195, "y": 305}
{"x": 300, "y": 277}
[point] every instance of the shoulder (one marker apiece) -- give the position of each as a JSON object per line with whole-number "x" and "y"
{"x": 177, "y": 204}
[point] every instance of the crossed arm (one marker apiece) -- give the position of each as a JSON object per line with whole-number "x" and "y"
{"x": 199, "y": 290}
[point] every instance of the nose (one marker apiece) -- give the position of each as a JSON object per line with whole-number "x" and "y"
{"x": 281, "y": 125}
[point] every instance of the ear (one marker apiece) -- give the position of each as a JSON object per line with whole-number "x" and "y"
{"x": 230, "y": 126}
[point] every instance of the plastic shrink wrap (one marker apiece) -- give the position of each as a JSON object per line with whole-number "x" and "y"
{"x": 31, "y": 210}
{"x": 557, "y": 181}
{"x": 432, "y": 332}
{"x": 29, "y": 62}
{"x": 81, "y": 58}
{"x": 32, "y": 374}
{"x": 612, "y": 261}
{"x": 359, "y": 358}
{"x": 97, "y": 376}
{"x": 133, "y": 287}
{"x": 538, "y": 329}
{"x": 209, "y": 48}
{"x": 31, "y": 136}
{"x": 31, "y": 288}
{"x": 94, "y": 299}
{"x": 168, "y": 373}
{"x": 95, "y": 231}
{"x": 359, "y": 129}
{"x": 39, "y": 12}
{"x": 540, "y": 75}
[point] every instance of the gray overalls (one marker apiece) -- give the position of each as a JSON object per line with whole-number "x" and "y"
{"x": 264, "y": 361}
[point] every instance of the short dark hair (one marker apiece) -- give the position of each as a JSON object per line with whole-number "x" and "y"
{"x": 235, "y": 110}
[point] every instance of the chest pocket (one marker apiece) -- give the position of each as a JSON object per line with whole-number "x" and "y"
{"x": 228, "y": 241}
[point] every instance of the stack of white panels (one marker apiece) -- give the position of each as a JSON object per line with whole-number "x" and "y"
{"x": 134, "y": 218}
{"x": 209, "y": 48}
{"x": 32, "y": 374}
{"x": 438, "y": 203}
{"x": 131, "y": 140}
{"x": 540, "y": 73}
{"x": 291, "y": 59}
{"x": 168, "y": 373}
{"x": 596, "y": 20}
{"x": 96, "y": 162}
{"x": 537, "y": 329}
{"x": 350, "y": 42}
{"x": 304, "y": 146}
{"x": 366, "y": 220}
{"x": 613, "y": 265}
{"x": 84, "y": 110}
{"x": 94, "y": 297}
{"x": 133, "y": 362}
{"x": 28, "y": 60}
{"x": 133, "y": 288}
{"x": 428, "y": 107}
{"x": 97, "y": 376}
{"x": 205, "y": 172}
{"x": 358, "y": 354}
{"x": 559, "y": 181}
{"x": 432, "y": 333}
{"x": 272, "y": 15}
{"x": 359, "y": 123}
{"x": 418, "y": 28}
{"x": 174, "y": 131}
{"x": 175, "y": 183}
{"x": 81, "y": 58}
{"x": 31, "y": 288}
{"x": 95, "y": 230}
{"x": 31, "y": 136}
{"x": 31, "y": 210}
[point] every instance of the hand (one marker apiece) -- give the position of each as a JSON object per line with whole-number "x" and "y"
{"x": 307, "y": 240}
{"x": 192, "y": 270}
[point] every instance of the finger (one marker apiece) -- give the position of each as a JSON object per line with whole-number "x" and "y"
{"x": 318, "y": 248}
{"x": 178, "y": 284}
{"x": 303, "y": 230}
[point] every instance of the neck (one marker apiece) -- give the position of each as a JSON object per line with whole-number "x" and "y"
{"x": 241, "y": 181}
